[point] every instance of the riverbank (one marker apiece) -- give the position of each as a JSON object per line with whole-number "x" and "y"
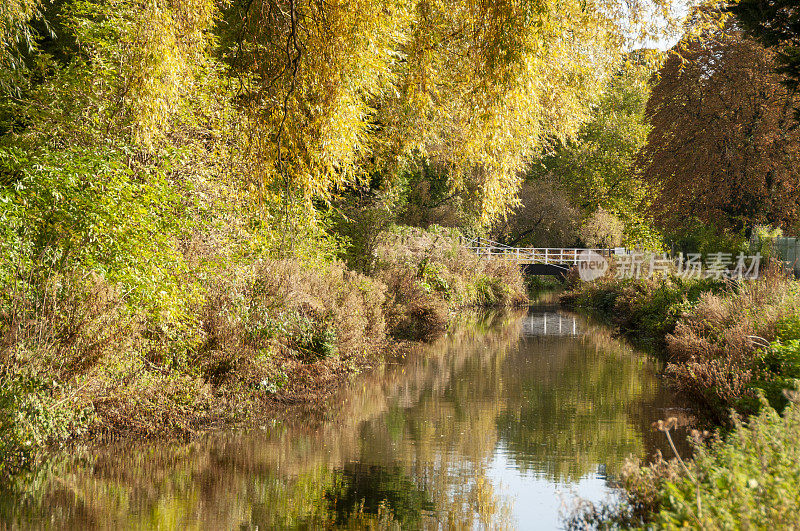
{"x": 260, "y": 335}
{"x": 482, "y": 427}
{"x": 722, "y": 341}
{"x": 729, "y": 347}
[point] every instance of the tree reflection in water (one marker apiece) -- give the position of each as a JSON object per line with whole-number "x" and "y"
{"x": 409, "y": 445}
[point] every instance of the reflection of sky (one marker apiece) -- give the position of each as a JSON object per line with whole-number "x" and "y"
{"x": 531, "y": 495}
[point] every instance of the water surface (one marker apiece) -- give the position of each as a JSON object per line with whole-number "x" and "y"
{"x": 498, "y": 425}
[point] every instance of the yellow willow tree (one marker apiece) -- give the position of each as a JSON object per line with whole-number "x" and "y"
{"x": 334, "y": 90}
{"x": 16, "y": 38}
{"x": 126, "y": 70}
{"x": 307, "y": 72}
{"x": 486, "y": 84}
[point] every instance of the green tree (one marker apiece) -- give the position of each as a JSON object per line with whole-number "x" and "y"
{"x": 597, "y": 169}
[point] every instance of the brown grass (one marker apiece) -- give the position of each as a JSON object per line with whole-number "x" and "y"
{"x": 712, "y": 352}
{"x": 428, "y": 273}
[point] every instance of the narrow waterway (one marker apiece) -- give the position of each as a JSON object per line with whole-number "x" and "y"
{"x": 501, "y": 424}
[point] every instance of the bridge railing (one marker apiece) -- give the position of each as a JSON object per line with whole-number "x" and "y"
{"x": 533, "y": 255}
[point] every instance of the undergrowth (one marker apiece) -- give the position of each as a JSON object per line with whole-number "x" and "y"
{"x": 748, "y": 479}
{"x": 731, "y": 347}
{"x": 81, "y": 357}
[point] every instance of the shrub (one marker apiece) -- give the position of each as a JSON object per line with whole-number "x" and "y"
{"x": 712, "y": 332}
{"x": 646, "y": 309}
{"x": 640, "y": 499}
{"x": 428, "y": 271}
{"x": 89, "y": 211}
{"x": 313, "y": 340}
{"x": 34, "y": 413}
{"x": 749, "y": 479}
{"x": 716, "y": 349}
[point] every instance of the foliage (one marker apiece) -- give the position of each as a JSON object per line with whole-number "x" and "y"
{"x": 645, "y": 309}
{"x": 641, "y": 495}
{"x": 602, "y": 229}
{"x": 715, "y": 349}
{"x": 17, "y": 39}
{"x": 781, "y": 361}
{"x": 313, "y": 340}
{"x": 762, "y": 241}
{"x": 747, "y": 479}
{"x": 32, "y": 416}
{"x": 545, "y": 218}
{"x": 694, "y": 235}
{"x": 723, "y": 341}
{"x": 721, "y": 92}
{"x": 742, "y": 479}
{"x": 348, "y": 90}
{"x": 359, "y": 219}
{"x": 428, "y": 271}
{"x": 88, "y": 211}
{"x": 775, "y": 23}
{"x": 596, "y": 169}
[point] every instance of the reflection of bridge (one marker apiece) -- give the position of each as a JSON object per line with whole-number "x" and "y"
{"x": 537, "y": 260}
{"x": 551, "y": 324}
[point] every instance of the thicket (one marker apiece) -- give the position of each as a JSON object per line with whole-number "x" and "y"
{"x": 723, "y": 341}
{"x": 645, "y": 309}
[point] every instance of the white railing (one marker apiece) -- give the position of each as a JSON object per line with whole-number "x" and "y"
{"x": 551, "y": 324}
{"x": 556, "y": 256}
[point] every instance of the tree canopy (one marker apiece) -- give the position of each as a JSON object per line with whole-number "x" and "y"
{"x": 722, "y": 149}
{"x": 776, "y": 24}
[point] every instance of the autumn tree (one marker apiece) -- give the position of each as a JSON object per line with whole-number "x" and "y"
{"x": 335, "y": 92}
{"x": 776, "y": 24}
{"x": 722, "y": 150}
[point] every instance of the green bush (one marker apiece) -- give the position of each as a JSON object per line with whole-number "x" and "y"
{"x": 779, "y": 366}
{"x": 313, "y": 340}
{"x": 645, "y": 309}
{"x": 748, "y": 480}
{"x": 432, "y": 275}
{"x": 34, "y": 413}
{"x": 788, "y": 328}
{"x": 87, "y": 210}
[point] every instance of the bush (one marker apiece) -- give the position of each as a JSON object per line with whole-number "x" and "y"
{"x": 647, "y": 309}
{"x": 428, "y": 272}
{"x": 88, "y": 210}
{"x": 713, "y": 333}
{"x": 35, "y": 413}
{"x": 747, "y": 480}
{"x": 641, "y": 497}
{"x": 716, "y": 349}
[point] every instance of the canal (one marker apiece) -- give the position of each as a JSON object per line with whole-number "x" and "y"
{"x": 503, "y": 423}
